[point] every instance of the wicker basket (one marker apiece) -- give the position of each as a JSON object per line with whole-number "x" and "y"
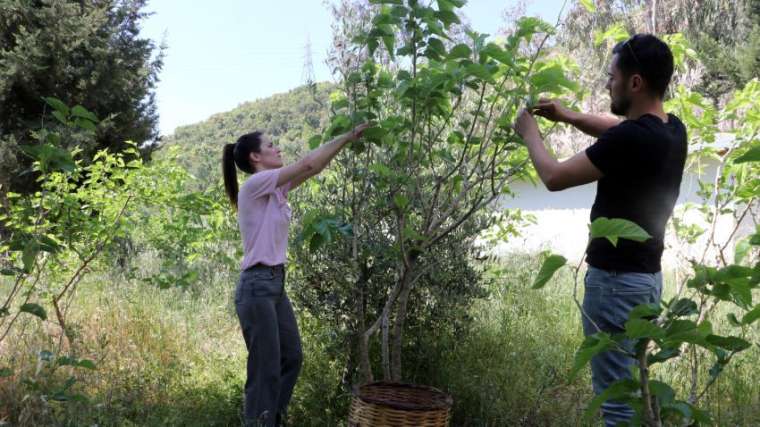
{"x": 399, "y": 405}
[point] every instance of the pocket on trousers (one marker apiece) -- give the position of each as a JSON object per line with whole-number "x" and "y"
{"x": 266, "y": 288}
{"x": 634, "y": 284}
{"x": 258, "y": 274}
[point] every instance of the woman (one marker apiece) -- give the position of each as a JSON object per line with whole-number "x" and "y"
{"x": 266, "y": 316}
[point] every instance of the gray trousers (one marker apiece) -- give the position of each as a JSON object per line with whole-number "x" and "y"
{"x": 273, "y": 342}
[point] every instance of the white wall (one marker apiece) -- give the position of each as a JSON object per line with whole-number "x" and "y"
{"x": 562, "y": 220}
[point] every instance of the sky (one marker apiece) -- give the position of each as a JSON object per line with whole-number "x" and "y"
{"x": 223, "y": 53}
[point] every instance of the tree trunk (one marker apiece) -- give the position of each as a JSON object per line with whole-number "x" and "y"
{"x": 386, "y": 362}
{"x": 364, "y": 363}
{"x": 365, "y": 370}
{"x": 651, "y": 409}
{"x": 398, "y": 332}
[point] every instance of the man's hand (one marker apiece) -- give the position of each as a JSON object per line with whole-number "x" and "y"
{"x": 526, "y": 125}
{"x": 551, "y": 109}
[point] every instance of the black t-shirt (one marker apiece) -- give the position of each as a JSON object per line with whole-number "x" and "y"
{"x": 642, "y": 161}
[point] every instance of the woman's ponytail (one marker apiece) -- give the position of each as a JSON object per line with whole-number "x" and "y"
{"x": 229, "y": 171}
{"x": 237, "y": 155}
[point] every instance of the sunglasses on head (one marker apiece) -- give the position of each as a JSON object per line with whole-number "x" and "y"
{"x": 630, "y": 49}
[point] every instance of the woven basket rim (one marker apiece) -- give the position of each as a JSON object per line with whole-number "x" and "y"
{"x": 446, "y": 401}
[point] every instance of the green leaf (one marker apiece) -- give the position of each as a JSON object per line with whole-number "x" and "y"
{"x": 381, "y": 169}
{"x": 316, "y": 241}
{"x": 755, "y": 239}
{"x": 682, "y": 330}
{"x": 528, "y": 26}
{"x": 57, "y": 105}
{"x": 663, "y": 355}
{"x": 550, "y": 266}
{"x": 447, "y": 17}
{"x": 60, "y": 117}
{"x": 354, "y": 77}
{"x": 751, "y": 316}
{"x": 733, "y": 320}
{"x": 480, "y": 71}
{"x": 9, "y": 271}
{"x": 683, "y": 307}
{"x": 741, "y": 250}
{"x": 663, "y": 391}
{"x": 716, "y": 369}
{"x": 50, "y": 157}
{"x": 616, "y": 228}
{"x": 551, "y": 79}
{"x": 645, "y": 311}
{"x": 752, "y": 155}
{"x": 5, "y": 372}
{"x": 389, "y": 41}
{"x": 734, "y": 344}
{"x": 31, "y": 249}
{"x": 339, "y": 124}
{"x": 315, "y": 141}
{"x": 591, "y": 346}
{"x": 641, "y": 328}
{"x": 450, "y": 5}
{"x": 741, "y": 291}
{"x": 339, "y": 104}
{"x": 49, "y": 244}
{"x": 460, "y": 51}
{"x": 34, "y": 309}
{"x": 494, "y": 51}
{"x": 87, "y": 364}
{"x": 79, "y": 111}
{"x": 614, "y": 33}
{"x": 400, "y": 201}
{"x": 436, "y": 49}
{"x": 589, "y": 5}
{"x": 618, "y": 390}
{"x": 374, "y": 134}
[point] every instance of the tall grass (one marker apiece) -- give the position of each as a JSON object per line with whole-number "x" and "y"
{"x": 176, "y": 357}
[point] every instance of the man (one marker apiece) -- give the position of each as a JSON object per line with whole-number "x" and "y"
{"x": 638, "y": 164}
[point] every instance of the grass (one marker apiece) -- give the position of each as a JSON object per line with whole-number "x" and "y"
{"x": 174, "y": 357}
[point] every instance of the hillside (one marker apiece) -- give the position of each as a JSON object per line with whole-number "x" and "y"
{"x": 289, "y": 118}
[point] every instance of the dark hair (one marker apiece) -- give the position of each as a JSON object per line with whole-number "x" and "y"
{"x": 648, "y": 56}
{"x": 237, "y": 154}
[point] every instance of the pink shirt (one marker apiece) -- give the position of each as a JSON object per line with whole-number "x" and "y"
{"x": 264, "y": 218}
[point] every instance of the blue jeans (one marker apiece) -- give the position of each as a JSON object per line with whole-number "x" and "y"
{"x": 273, "y": 342}
{"x": 609, "y": 298}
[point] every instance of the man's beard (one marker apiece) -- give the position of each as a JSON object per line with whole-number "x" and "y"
{"x": 620, "y": 106}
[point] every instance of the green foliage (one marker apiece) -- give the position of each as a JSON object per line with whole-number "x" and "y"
{"x": 589, "y": 5}
{"x": 614, "y": 34}
{"x": 548, "y": 268}
{"x": 422, "y": 178}
{"x": 616, "y": 228}
{"x": 34, "y": 309}
{"x": 81, "y": 53}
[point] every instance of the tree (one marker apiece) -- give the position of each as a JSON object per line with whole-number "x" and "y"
{"x": 441, "y": 152}
{"x": 86, "y": 53}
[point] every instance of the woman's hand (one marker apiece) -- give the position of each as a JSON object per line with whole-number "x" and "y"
{"x": 356, "y": 132}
